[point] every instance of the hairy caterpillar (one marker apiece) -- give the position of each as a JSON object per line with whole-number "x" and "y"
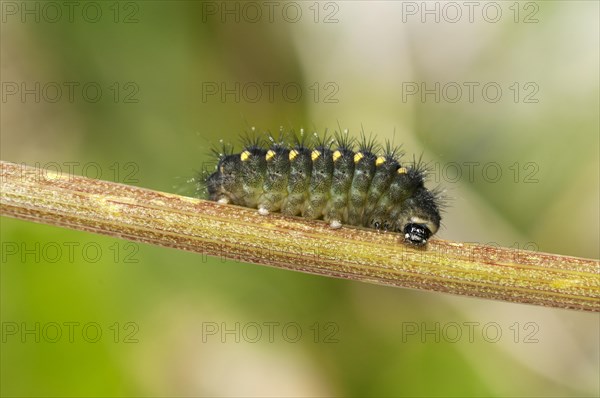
{"x": 328, "y": 180}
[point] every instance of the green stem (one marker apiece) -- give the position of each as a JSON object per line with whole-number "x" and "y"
{"x": 297, "y": 244}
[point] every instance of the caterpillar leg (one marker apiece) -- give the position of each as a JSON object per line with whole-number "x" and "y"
{"x": 223, "y": 201}
{"x": 263, "y": 211}
{"x": 335, "y": 224}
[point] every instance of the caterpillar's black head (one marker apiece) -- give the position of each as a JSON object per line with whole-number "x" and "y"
{"x": 416, "y": 234}
{"x": 421, "y": 218}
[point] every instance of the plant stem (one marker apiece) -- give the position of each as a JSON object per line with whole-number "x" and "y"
{"x": 298, "y": 244}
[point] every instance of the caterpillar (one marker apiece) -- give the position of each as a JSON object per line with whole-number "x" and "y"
{"x": 327, "y": 179}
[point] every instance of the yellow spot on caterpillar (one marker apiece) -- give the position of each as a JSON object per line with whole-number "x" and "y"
{"x": 336, "y": 155}
{"x": 221, "y": 169}
{"x": 270, "y": 154}
{"x": 402, "y": 170}
{"x": 315, "y": 155}
{"x": 380, "y": 160}
{"x": 245, "y": 156}
{"x": 293, "y": 154}
{"x": 358, "y": 157}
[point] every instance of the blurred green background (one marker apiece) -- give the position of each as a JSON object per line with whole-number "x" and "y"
{"x": 155, "y": 84}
